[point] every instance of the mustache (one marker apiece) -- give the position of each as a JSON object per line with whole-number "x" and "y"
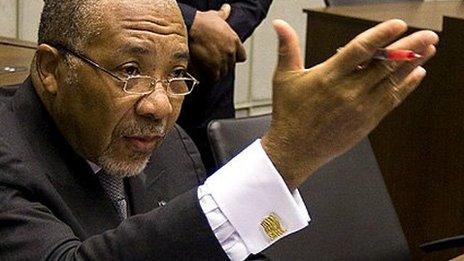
{"x": 143, "y": 128}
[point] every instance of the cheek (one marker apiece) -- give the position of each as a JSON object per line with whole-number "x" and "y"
{"x": 176, "y": 104}
{"x": 119, "y": 148}
{"x": 126, "y": 115}
{"x": 119, "y": 111}
{"x": 99, "y": 115}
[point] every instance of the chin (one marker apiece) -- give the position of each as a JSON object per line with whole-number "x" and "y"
{"x": 128, "y": 167}
{"x": 131, "y": 147}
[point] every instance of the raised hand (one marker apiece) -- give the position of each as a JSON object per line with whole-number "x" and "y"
{"x": 321, "y": 112}
{"x": 214, "y": 46}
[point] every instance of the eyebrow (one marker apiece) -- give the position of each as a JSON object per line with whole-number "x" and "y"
{"x": 181, "y": 55}
{"x": 134, "y": 49}
{"x": 138, "y": 50}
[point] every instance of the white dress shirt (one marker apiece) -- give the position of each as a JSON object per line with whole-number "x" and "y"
{"x": 249, "y": 206}
{"x": 241, "y": 195}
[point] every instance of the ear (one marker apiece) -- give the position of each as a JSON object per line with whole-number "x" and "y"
{"x": 47, "y": 59}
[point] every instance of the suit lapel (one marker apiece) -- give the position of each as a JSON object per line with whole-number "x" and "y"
{"x": 136, "y": 194}
{"x": 71, "y": 176}
{"x": 82, "y": 192}
{"x": 81, "y": 201}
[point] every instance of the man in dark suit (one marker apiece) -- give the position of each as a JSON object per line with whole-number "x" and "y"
{"x": 52, "y": 202}
{"x": 216, "y": 30}
{"x": 106, "y": 87}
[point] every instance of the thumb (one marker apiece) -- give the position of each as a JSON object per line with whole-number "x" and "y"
{"x": 224, "y": 12}
{"x": 289, "y": 47}
{"x": 241, "y": 55}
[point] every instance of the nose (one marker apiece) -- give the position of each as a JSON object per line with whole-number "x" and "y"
{"x": 155, "y": 105}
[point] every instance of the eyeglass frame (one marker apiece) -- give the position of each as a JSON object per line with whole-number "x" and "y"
{"x": 155, "y": 81}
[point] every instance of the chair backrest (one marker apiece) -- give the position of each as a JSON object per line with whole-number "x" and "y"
{"x": 361, "y": 2}
{"x": 352, "y": 214}
{"x": 230, "y": 136}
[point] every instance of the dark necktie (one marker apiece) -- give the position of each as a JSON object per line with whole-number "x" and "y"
{"x": 114, "y": 189}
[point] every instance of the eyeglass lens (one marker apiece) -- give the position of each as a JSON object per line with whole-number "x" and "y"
{"x": 144, "y": 85}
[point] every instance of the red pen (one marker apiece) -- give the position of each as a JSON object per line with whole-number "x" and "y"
{"x": 395, "y": 55}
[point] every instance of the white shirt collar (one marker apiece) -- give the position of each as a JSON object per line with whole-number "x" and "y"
{"x": 94, "y": 166}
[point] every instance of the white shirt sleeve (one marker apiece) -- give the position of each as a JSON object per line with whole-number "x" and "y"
{"x": 249, "y": 206}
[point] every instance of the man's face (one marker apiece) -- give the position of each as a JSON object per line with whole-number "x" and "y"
{"x": 114, "y": 129}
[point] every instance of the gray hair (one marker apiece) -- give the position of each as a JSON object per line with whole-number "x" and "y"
{"x": 73, "y": 23}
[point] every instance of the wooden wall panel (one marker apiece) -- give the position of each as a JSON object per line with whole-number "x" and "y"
{"x": 15, "y": 60}
{"x": 419, "y": 146}
{"x": 28, "y": 19}
{"x": 8, "y": 11}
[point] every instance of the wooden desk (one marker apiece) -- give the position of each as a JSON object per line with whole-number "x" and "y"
{"x": 15, "y": 60}
{"x": 420, "y": 146}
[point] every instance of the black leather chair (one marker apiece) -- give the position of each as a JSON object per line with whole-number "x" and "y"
{"x": 230, "y": 136}
{"x": 352, "y": 214}
{"x": 444, "y": 243}
{"x": 361, "y": 2}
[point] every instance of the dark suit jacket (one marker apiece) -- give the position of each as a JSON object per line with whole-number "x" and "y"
{"x": 245, "y": 15}
{"x": 216, "y": 101}
{"x": 52, "y": 206}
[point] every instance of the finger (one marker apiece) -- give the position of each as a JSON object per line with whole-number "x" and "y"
{"x": 416, "y": 41}
{"x": 228, "y": 65}
{"x": 392, "y": 93}
{"x": 213, "y": 69}
{"x": 224, "y": 12}
{"x": 289, "y": 47}
{"x": 420, "y": 42}
{"x": 241, "y": 55}
{"x": 223, "y": 72}
{"x": 405, "y": 69}
{"x": 223, "y": 66}
{"x": 215, "y": 75}
{"x": 362, "y": 47}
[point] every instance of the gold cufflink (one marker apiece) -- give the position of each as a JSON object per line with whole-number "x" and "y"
{"x": 273, "y": 227}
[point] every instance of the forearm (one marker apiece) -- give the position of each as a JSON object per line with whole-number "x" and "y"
{"x": 188, "y": 13}
{"x": 168, "y": 233}
{"x": 246, "y": 15}
{"x": 243, "y": 197}
{"x": 172, "y": 232}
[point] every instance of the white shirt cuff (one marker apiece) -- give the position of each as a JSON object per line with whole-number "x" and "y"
{"x": 249, "y": 206}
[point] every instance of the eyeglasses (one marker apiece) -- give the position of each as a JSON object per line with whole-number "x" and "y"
{"x": 141, "y": 84}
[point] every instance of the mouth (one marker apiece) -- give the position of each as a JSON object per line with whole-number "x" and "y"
{"x": 143, "y": 144}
